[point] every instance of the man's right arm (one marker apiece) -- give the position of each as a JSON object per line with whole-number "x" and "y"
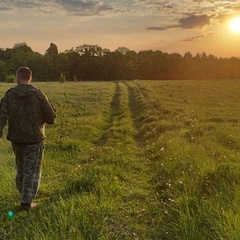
{"x": 3, "y": 113}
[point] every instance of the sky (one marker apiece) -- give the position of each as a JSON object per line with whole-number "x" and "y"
{"x": 172, "y": 26}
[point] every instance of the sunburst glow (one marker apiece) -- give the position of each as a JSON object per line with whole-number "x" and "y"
{"x": 235, "y": 24}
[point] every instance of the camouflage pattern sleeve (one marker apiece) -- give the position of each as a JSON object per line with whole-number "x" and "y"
{"x": 49, "y": 112}
{"x": 3, "y": 113}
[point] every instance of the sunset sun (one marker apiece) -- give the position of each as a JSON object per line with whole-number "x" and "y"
{"x": 235, "y": 25}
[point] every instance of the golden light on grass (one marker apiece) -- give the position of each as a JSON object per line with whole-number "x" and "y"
{"x": 235, "y": 24}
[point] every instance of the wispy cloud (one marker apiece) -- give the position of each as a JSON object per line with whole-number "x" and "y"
{"x": 179, "y": 8}
{"x": 160, "y": 28}
{"x": 71, "y": 7}
{"x": 194, "y": 38}
{"x": 233, "y": 7}
{"x": 5, "y": 8}
{"x": 83, "y": 7}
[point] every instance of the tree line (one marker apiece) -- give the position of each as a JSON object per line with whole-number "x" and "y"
{"x": 93, "y": 63}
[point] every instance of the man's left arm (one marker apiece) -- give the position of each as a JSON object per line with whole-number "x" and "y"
{"x": 49, "y": 112}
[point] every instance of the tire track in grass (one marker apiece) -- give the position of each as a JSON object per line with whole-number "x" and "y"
{"x": 114, "y": 106}
{"x": 184, "y": 216}
{"x": 174, "y": 214}
{"x": 122, "y": 174}
{"x": 139, "y": 195}
{"x": 117, "y": 175}
{"x": 149, "y": 118}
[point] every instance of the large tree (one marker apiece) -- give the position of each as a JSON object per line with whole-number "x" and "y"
{"x": 3, "y": 71}
{"x": 52, "y": 50}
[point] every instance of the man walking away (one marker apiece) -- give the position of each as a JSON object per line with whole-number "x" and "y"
{"x": 27, "y": 109}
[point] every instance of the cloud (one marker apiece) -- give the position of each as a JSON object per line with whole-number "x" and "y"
{"x": 226, "y": 17}
{"x": 71, "y": 7}
{"x": 223, "y": 17}
{"x": 36, "y": 5}
{"x": 4, "y": 8}
{"x": 175, "y": 9}
{"x": 158, "y": 28}
{"x": 198, "y": 37}
{"x": 194, "y": 21}
{"x": 83, "y": 7}
{"x": 27, "y": 4}
{"x": 22, "y": 4}
{"x": 234, "y": 8}
{"x": 189, "y": 22}
{"x": 193, "y": 38}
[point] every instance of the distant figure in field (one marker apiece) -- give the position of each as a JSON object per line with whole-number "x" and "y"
{"x": 27, "y": 109}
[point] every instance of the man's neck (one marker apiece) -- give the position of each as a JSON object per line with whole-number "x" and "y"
{"x": 23, "y": 82}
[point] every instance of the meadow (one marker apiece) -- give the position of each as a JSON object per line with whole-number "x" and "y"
{"x": 131, "y": 160}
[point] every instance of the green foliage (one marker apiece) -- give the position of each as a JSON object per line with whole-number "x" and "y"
{"x": 75, "y": 78}
{"x": 91, "y": 62}
{"x": 52, "y": 50}
{"x": 62, "y": 78}
{"x": 3, "y": 71}
{"x": 62, "y": 122}
{"x": 10, "y": 78}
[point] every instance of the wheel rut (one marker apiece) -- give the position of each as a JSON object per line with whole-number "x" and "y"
{"x": 121, "y": 150}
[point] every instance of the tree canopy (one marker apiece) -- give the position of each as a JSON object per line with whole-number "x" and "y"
{"x": 91, "y": 62}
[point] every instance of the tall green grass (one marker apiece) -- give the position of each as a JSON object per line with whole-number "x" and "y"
{"x": 197, "y": 180}
{"x": 133, "y": 160}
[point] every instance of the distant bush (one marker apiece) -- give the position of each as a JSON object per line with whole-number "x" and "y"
{"x": 10, "y": 78}
{"x": 62, "y": 78}
{"x": 75, "y": 78}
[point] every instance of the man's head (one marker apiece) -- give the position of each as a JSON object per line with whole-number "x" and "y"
{"x": 24, "y": 75}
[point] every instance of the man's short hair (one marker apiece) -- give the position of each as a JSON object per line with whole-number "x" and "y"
{"x": 24, "y": 73}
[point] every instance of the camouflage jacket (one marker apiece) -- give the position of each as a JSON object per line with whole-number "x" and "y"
{"x": 27, "y": 110}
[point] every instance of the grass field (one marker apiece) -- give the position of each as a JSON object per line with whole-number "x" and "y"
{"x": 149, "y": 160}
